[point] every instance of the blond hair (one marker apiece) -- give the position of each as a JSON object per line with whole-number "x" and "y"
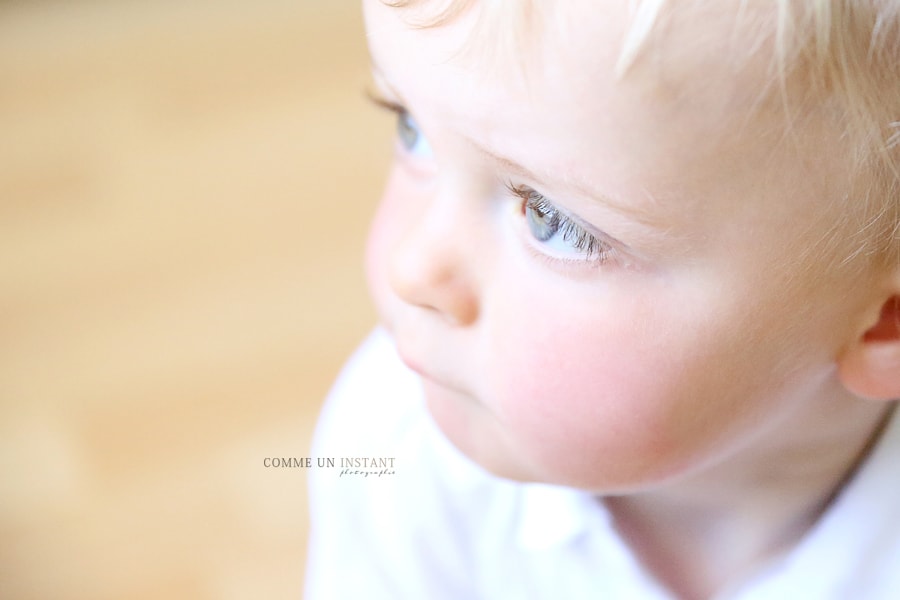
{"x": 846, "y": 51}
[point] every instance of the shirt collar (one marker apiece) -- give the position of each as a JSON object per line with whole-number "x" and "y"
{"x": 846, "y": 540}
{"x": 552, "y": 516}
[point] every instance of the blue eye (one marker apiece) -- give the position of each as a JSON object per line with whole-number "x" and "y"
{"x": 411, "y": 137}
{"x": 557, "y": 232}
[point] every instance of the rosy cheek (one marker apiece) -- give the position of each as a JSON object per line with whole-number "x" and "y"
{"x": 578, "y": 396}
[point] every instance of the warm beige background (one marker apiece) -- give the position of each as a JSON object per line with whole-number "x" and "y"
{"x": 184, "y": 190}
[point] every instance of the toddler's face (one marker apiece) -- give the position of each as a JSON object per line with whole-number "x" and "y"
{"x": 606, "y": 283}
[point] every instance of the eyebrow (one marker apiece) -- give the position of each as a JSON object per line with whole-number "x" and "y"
{"x": 638, "y": 214}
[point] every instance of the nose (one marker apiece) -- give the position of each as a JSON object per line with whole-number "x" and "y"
{"x": 432, "y": 267}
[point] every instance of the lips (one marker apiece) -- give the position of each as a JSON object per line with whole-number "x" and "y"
{"x": 411, "y": 364}
{"x": 416, "y": 366}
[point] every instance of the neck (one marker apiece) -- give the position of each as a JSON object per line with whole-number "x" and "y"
{"x": 706, "y": 533}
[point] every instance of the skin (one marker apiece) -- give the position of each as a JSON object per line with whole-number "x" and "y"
{"x": 690, "y": 378}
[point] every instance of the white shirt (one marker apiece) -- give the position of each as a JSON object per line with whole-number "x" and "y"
{"x": 435, "y": 526}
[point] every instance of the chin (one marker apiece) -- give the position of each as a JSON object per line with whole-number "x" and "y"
{"x": 475, "y": 434}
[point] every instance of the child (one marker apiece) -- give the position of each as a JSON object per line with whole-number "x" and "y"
{"x": 638, "y": 270}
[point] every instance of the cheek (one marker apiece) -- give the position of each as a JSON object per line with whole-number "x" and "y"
{"x": 570, "y": 399}
{"x": 623, "y": 399}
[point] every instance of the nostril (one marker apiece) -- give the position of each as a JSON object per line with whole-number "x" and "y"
{"x": 464, "y": 311}
{"x": 888, "y": 326}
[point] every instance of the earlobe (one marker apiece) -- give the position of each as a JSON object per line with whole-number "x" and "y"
{"x": 870, "y": 367}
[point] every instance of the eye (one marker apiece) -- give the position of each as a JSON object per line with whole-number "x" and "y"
{"x": 409, "y": 134}
{"x": 411, "y": 137}
{"x": 559, "y": 235}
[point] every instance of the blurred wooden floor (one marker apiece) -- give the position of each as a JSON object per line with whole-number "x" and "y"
{"x": 184, "y": 192}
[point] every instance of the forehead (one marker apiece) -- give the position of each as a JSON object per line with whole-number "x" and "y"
{"x": 529, "y": 42}
{"x": 503, "y": 60}
{"x": 544, "y": 86}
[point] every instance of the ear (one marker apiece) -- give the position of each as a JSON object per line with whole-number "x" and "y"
{"x": 870, "y": 367}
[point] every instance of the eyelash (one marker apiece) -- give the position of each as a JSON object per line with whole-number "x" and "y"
{"x": 595, "y": 250}
{"x": 377, "y": 99}
{"x": 389, "y": 105}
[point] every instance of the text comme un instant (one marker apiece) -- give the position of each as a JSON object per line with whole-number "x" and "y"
{"x": 306, "y": 462}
